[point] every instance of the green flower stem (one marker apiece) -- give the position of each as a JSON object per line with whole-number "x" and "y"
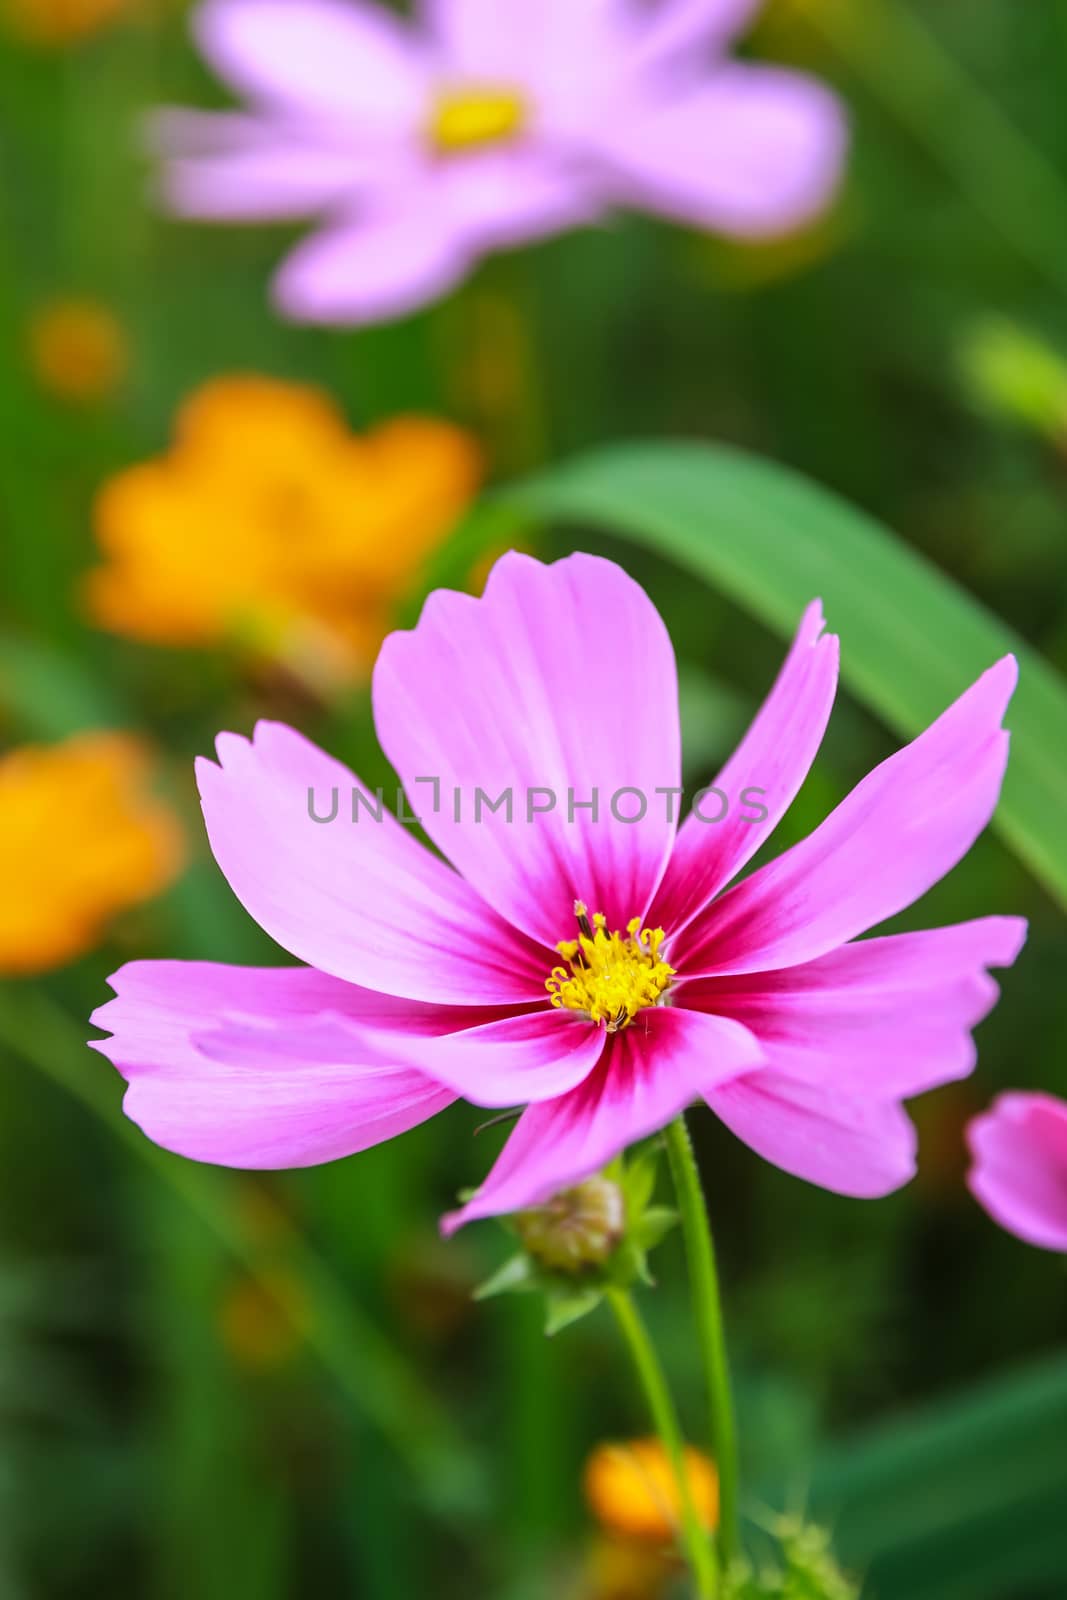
{"x": 698, "y": 1547}
{"x": 707, "y": 1307}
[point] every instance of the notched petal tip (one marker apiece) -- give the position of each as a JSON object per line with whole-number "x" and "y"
{"x": 1012, "y": 934}
{"x": 812, "y": 629}
{"x": 233, "y": 750}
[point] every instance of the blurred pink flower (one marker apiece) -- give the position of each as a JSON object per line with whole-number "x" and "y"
{"x": 428, "y": 981}
{"x": 1019, "y": 1173}
{"x": 490, "y": 123}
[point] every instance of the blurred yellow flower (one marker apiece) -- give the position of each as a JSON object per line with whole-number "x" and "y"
{"x": 60, "y": 22}
{"x": 632, "y": 1491}
{"x": 81, "y": 838}
{"x": 77, "y": 350}
{"x": 269, "y": 525}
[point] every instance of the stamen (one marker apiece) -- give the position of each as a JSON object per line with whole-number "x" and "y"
{"x": 465, "y": 119}
{"x": 609, "y": 977}
{"x": 582, "y": 914}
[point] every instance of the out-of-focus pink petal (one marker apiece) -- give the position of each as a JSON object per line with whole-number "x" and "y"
{"x": 896, "y": 834}
{"x": 488, "y": 41}
{"x": 177, "y": 131}
{"x": 560, "y": 680}
{"x": 382, "y": 263}
{"x": 888, "y": 1018}
{"x": 677, "y": 27}
{"x": 500, "y": 199}
{"x": 772, "y": 760}
{"x": 850, "y": 1143}
{"x": 227, "y": 166}
{"x": 272, "y": 1108}
{"x": 750, "y": 150}
{"x": 398, "y": 252}
{"x": 648, "y": 1074}
{"x": 502, "y": 1061}
{"x": 359, "y": 899}
{"x": 1019, "y": 1175}
{"x": 559, "y": 53}
{"x": 347, "y": 61}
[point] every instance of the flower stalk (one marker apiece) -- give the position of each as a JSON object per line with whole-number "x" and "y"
{"x": 698, "y": 1548}
{"x": 707, "y": 1308}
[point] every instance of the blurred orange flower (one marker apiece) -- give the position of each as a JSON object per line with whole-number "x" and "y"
{"x": 632, "y": 1491}
{"x": 77, "y": 350}
{"x": 622, "y": 1569}
{"x": 81, "y": 838}
{"x": 269, "y": 525}
{"x": 60, "y": 22}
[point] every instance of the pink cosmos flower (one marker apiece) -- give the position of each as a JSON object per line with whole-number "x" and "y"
{"x": 482, "y": 979}
{"x": 424, "y": 146}
{"x": 1019, "y": 1174}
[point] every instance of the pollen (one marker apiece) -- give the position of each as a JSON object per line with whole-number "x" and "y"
{"x": 610, "y": 977}
{"x": 466, "y": 119}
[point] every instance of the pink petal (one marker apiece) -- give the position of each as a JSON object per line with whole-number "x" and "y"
{"x": 229, "y": 166}
{"x": 753, "y": 151}
{"x": 849, "y": 1143}
{"x": 397, "y": 254}
{"x": 381, "y": 264}
{"x": 280, "y": 1107}
{"x": 560, "y": 680}
{"x": 773, "y": 759}
{"x": 888, "y": 1018}
{"x": 515, "y": 1061}
{"x": 504, "y": 1061}
{"x": 488, "y": 41}
{"x": 501, "y": 199}
{"x": 896, "y": 834}
{"x": 348, "y": 61}
{"x": 361, "y": 900}
{"x": 648, "y": 1074}
{"x": 1019, "y": 1174}
{"x": 679, "y": 27}
{"x": 557, "y": 50}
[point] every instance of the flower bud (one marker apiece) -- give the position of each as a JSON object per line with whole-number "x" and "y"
{"x": 577, "y": 1228}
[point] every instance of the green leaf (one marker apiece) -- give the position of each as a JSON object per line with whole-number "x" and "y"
{"x": 912, "y": 640}
{"x": 517, "y": 1273}
{"x": 654, "y": 1225}
{"x": 564, "y": 1307}
{"x": 963, "y": 1501}
{"x": 629, "y": 1264}
{"x": 639, "y": 1178}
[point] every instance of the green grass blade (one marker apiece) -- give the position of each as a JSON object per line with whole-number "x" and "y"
{"x": 960, "y": 1502}
{"x": 912, "y": 640}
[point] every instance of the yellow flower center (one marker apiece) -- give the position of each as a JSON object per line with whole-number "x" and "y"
{"x": 610, "y": 977}
{"x": 466, "y": 119}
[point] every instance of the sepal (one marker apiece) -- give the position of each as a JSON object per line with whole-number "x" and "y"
{"x": 586, "y": 1240}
